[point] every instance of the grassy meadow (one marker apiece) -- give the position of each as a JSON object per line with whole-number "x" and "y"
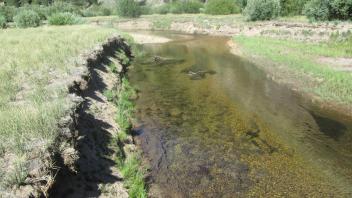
{"x": 34, "y": 65}
{"x": 298, "y": 59}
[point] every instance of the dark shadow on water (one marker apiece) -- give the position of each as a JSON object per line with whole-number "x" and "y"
{"x": 329, "y": 127}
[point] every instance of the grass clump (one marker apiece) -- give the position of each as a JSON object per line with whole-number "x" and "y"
{"x": 65, "y": 18}
{"x": 27, "y": 18}
{"x": 221, "y": 7}
{"x": 125, "y": 106}
{"x": 2, "y": 22}
{"x": 134, "y": 176}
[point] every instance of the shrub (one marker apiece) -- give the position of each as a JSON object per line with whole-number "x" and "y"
{"x": 328, "y": 10}
{"x": 65, "y": 18}
{"x": 96, "y": 10}
{"x": 242, "y": 3}
{"x": 128, "y": 8}
{"x": 2, "y": 22}
{"x": 190, "y": 6}
{"x": 27, "y": 18}
{"x": 262, "y": 9}
{"x": 8, "y": 12}
{"x": 317, "y": 10}
{"x": 60, "y": 7}
{"x": 341, "y": 9}
{"x": 217, "y": 7}
{"x": 42, "y": 11}
{"x": 292, "y": 7}
{"x": 162, "y": 9}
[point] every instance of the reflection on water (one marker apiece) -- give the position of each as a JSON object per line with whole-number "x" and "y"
{"x": 213, "y": 125}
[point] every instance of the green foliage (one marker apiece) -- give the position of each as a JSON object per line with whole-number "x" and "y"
{"x": 242, "y": 3}
{"x": 65, "y": 18}
{"x": 60, "y": 6}
{"x": 27, "y": 18}
{"x": 134, "y": 176}
{"x": 178, "y": 7}
{"x": 341, "y": 9}
{"x": 125, "y": 106}
{"x": 12, "y": 3}
{"x": 317, "y": 10}
{"x": 2, "y": 22}
{"x": 128, "y": 8}
{"x": 42, "y": 11}
{"x": 292, "y": 7}
{"x": 8, "y": 12}
{"x": 328, "y": 9}
{"x": 162, "y": 9}
{"x": 221, "y": 7}
{"x": 190, "y": 6}
{"x": 262, "y": 9}
{"x": 97, "y": 10}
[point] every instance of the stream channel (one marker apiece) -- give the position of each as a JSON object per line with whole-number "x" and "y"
{"x": 211, "y": 124}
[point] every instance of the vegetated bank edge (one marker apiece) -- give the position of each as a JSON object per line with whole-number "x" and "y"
{"x": 319, "y": 84}
{"x": 123, "y": 152}
{"x": 63, "y": 154}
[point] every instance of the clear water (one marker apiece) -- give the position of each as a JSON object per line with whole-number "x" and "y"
{"x": 211, "y": 124}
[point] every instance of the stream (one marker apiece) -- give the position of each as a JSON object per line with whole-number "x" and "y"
{"x": 211, "y": 124}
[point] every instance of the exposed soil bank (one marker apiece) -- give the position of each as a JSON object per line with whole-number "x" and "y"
{"x": 233, "y": 25}
{"x": 78, "y": 164}
{"x": 95, "y": 173}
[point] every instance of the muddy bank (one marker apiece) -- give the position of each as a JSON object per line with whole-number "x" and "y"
{"x": 208, "y": 25}
{"x": 77, "y": 154}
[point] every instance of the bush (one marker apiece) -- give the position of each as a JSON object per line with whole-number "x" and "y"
{"x": 63, "y": 19}
{"x": 262, "y": 9}
{"x": 328, "y": 10}
{"x": 341, "y": 9}
{"x": 42, "y": 11}
{"x": 128, "y": 8}
{"x": 219, "y": 7}
{"x": 242, "y": 3}
{"x": 292, "y": 7}
{"x": 27, "y": 18}
{"x": 191, "y": 6}
{"x": 96, "y": 10}
{"x": 317, "y": 10}
{"x": 162, "y": 9}
{"x": 61, "y": 7}
{"x": 2, "y": 22}
{"x": 8, "y": 12}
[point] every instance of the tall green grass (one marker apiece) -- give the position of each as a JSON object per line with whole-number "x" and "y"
{"x": 130, "y": 165}
{"x": 302, "y": 58}
{"x": 34, "y": 64}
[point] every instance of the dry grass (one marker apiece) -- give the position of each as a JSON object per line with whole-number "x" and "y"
{"x": 32, "y": 96}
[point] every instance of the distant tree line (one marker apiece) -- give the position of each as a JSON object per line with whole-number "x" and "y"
{"x": 19, "y": 3}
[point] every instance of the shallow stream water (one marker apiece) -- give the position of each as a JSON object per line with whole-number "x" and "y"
{"x": 211, "y": 124}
